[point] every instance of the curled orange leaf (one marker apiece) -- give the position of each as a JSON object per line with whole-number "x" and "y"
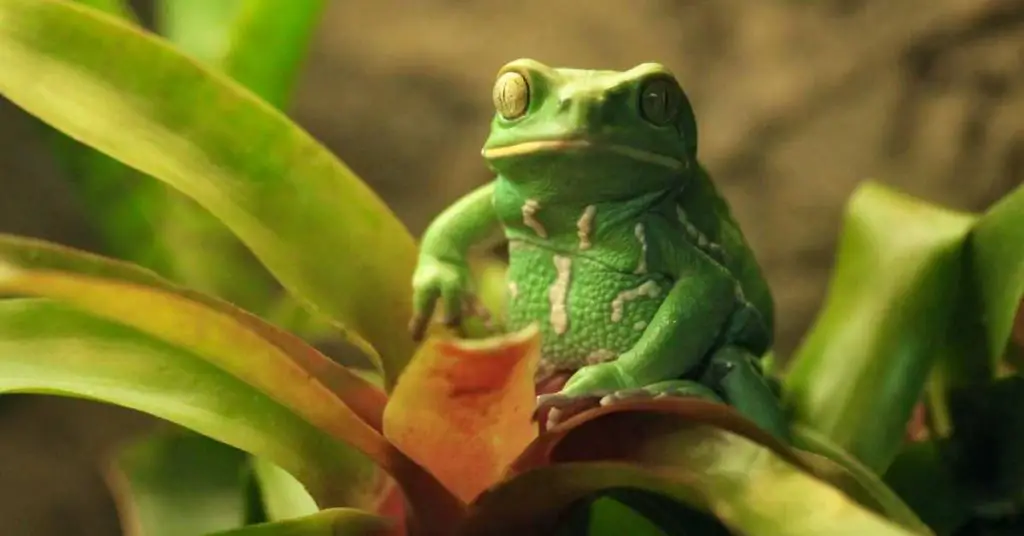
{"x": 463, "y": 408}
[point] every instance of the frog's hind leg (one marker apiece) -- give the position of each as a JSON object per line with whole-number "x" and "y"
{"x": 734, "y": 373}
{"x": 680, "y": 388}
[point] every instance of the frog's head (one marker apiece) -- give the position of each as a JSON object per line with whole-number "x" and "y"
{"x": 614, "y": 133}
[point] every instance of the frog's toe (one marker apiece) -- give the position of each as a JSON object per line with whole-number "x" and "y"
{"x": 626, "y": 394}
{"x": 558, "y": 415}
{"x": 668, "y": 389}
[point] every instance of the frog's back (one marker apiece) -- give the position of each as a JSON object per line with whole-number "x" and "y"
{"x": 705, "y": 208}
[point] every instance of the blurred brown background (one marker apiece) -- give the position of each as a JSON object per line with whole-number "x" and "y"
{"x": 798, "y": 101}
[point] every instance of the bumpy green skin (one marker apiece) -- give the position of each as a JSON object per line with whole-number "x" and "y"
{"x": 621, "y": 249}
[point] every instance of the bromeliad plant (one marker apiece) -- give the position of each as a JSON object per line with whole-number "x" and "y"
{"x": 920, "y": 314}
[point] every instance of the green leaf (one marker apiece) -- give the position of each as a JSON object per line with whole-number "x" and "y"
{"x": 132, "y": 96}
{"x": 231, "y": 338}
{"x": 178, "y": 484}
{"x": 283, "y": 496}
{"x": 48, "y": 348}
{"x": 282, "y": 368}
{"x": 199, "y": 28}
{"x": 333, "y": 522}
{"x": 143, "y": 221}
{"x": 852, "y": 477}
{"x": 124, "y": 211}
{"x": 701, "y": 454}
{"x": 275, "y": 363}
{"x": 118, "y": 8}
{"x": 772, "y": 499}
{"x": 997, "y": 269}
{"x": 864, "y": 364}
{"x": 260, "y": 44}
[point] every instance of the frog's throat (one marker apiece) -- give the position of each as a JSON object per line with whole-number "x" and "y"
{"x": 561, "y": 145}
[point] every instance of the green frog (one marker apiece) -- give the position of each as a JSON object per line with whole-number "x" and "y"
{"x": 621, "y": 249}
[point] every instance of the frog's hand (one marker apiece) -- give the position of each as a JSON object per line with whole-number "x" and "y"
{"x": 435, "y": 279}
{"x": 686, "y": 326}
{"x": 443, "y": 271}
{"x": 708, "y": 213}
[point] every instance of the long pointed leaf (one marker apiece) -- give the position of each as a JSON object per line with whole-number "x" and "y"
{"x": 132, "y": 96}
{"x": 283, "y": 496}
{"x": 665, "y": 433}
{"x": 997, "y": 269}
{"x": 25, "y": 259}
{"x": 864, "y": 364}
{"x": 282, "y": 367}
{"x": 47, "y": 348}
{"x": 177, "y": 483}
{"x": 774, "y": 500}
{"x": 260, "y": 44}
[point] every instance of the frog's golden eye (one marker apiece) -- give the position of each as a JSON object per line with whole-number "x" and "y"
{"x": 660, "y": 99}
{"x": 511, "y": 95}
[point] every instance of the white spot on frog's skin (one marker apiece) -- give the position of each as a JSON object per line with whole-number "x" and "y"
{"x": 513, "y": 290}
{"x": 530, "y": 208}
{"x": 640, "y": 325}
{"x": 600, "y": 356}
{"x": 649, "y": 289}
{"x": 558, "y": 293}
{"x": 585, "y": 225}
{"x": 641, "y": 267}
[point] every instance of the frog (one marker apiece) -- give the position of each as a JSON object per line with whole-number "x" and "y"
{"x": 621, "y": 249}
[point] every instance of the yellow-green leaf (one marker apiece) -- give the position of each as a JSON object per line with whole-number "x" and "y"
{"x": 319, "y": 229}
{"x": 756, "y": 495}
{"x": 260, "y": 44}
{"x": 285, "y": 368}
{"x": 853, "y": 477}
{"x": 862, "y": 368}
{"x": 200, "y": 28}
{"x": 176, "y": 483}
{"x": 690, "y": 435}
{"x": 283, "y": 496}
{"x": 119, "y": 8}
{"x": 48, "y": 348}
{"x": 276, "y": 364}
{"x": 332, "y": 522}
{"x": 997, "y": 270}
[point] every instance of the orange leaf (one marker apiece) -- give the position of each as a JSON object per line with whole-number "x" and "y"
{"x": 620, "y": 431}
{"x": 463, "y": 409}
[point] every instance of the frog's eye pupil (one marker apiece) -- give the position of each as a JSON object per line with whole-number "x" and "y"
{"x": 659, "y": 101}
{"x": 511, "y": 95}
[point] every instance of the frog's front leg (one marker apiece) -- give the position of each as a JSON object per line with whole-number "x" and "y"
{"x": 681, "y": 334}
{"x": 442, "y": 271}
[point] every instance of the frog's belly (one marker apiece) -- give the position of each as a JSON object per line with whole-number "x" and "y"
{"x": 587, "y": 313}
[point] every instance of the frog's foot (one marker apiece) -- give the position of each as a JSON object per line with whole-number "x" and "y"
{"x": 559, "y": 407}
{"x": 565, "y": 406}
{"x": 671, "y": 388}
{"x": 736, "y": 374}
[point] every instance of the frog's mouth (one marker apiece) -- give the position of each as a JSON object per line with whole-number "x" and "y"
{"x": 561, "y": 145}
